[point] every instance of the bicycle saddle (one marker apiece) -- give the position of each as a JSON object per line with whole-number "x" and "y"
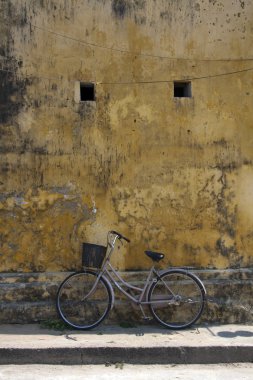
{"x": 155, "y": 256}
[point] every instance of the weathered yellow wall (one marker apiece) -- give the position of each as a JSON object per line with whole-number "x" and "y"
{"x": 174, "y": 175}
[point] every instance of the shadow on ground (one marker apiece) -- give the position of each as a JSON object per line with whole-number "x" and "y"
{"x": 234, "y": 334}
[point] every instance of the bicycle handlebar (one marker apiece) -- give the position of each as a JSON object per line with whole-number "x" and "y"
{"x": 120, "y": 236}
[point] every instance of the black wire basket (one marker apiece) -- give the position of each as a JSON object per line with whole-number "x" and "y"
{"x": 93, "y": 255}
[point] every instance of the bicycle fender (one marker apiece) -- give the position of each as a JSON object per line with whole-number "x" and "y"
{"x": 184, "y": 270}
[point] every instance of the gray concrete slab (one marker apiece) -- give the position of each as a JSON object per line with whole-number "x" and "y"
{"x": 242, "y": 371}
{"x": 31, "y": 344}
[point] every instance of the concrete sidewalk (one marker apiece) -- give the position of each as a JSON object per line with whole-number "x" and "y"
{"x": 145, "y": 344}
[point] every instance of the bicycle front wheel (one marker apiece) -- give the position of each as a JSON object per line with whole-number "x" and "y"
{"x": 176, "y": 299}
{"x": 81, "y": 305}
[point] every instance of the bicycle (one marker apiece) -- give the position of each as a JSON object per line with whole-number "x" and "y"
{"x": 175, "y": 297}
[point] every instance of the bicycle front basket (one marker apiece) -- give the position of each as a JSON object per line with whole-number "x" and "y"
{"x": 93, "y": 255}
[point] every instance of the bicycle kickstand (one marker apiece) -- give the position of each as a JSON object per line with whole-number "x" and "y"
{"x": 145, "y": 317}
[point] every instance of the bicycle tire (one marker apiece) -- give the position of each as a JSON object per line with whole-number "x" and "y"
{"x": 80, "y": 313}
{"x": 184, "y": 299}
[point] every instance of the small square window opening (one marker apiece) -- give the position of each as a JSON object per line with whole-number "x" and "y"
{"x": 182, "y": 90}
{"x": 87, "y": 92}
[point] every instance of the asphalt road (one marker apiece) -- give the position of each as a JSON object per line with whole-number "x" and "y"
{"x": 242, "y": 371}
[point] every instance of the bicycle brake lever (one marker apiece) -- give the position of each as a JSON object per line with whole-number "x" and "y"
{"x": 120, "y": 236}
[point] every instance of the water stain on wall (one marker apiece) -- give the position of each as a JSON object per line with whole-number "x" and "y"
{"x": 172, "y": 173}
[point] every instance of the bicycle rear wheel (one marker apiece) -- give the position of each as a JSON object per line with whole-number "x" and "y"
{"x": 176, "y": 299}
{"x": 78, "y": 310}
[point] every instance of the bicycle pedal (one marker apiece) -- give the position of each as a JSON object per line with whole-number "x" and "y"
{"x": 147, "y": 318}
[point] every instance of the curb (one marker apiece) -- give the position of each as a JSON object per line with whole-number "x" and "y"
{"x": 130, "y": 355}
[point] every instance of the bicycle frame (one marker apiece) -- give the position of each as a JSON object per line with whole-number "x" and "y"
{"x": 107, "y": 271}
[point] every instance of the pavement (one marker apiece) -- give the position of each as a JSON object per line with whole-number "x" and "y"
{"x": 143, "y": 344}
